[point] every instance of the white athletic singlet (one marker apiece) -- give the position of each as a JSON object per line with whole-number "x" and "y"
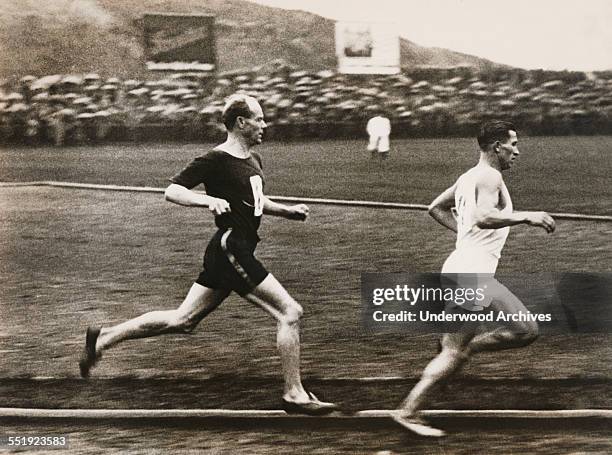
{"x": 477, "y": 250}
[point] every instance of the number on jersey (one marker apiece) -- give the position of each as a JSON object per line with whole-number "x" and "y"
{"x": 258, "y": 197}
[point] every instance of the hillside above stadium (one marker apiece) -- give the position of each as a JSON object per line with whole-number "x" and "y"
{"x": 65, "y": 36}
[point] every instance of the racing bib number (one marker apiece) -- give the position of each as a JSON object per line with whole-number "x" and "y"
{"x": 258, "y": 197}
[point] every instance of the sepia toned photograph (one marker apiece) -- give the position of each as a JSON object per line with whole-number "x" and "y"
{"x": 305, "y": 226}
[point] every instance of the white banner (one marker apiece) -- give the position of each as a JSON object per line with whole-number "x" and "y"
{"x": 367, "y": 48}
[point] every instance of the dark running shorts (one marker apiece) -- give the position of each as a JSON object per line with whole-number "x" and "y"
{"x": 229, "y": 264}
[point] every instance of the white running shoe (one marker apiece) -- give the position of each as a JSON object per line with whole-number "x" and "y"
{"x": 417, "y": 425}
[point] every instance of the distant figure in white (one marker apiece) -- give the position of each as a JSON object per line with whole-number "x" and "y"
{"x": 379, "y": 130}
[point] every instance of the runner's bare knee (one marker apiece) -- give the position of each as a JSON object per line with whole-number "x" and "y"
{"x": 293, "y": 312}
{"x": 182, "y": 322}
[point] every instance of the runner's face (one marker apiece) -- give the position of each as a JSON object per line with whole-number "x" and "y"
{"x": 508, "y": 151}
{"x": 255, "y": 125}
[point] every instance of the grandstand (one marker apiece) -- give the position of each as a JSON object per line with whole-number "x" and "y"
{"x": 85, "y": 108}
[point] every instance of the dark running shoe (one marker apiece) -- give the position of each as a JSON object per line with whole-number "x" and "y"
{"x": 89, "y": 357}
{"x": 314, "y": 407}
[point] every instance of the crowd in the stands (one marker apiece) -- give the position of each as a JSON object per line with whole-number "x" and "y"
{"x": 86, "y": 108}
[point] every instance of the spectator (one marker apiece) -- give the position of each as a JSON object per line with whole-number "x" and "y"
{"x": 379, "y": 130}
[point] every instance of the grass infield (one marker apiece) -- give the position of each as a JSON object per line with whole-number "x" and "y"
{"x": 557, "y": 174}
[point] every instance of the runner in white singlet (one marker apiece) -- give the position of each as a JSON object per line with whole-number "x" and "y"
{"x": 479, "y": 209}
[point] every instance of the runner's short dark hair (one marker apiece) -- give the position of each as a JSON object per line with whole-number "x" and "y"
{"x": 235, "y": 107}
{"x": 494, "y": 131}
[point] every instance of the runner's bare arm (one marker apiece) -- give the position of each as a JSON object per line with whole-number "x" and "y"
{"x": 441, "y": 208}
{"x": 488, "y": 216}
{"x": 180, "y": 195}
{"x": 292, "y": 212}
